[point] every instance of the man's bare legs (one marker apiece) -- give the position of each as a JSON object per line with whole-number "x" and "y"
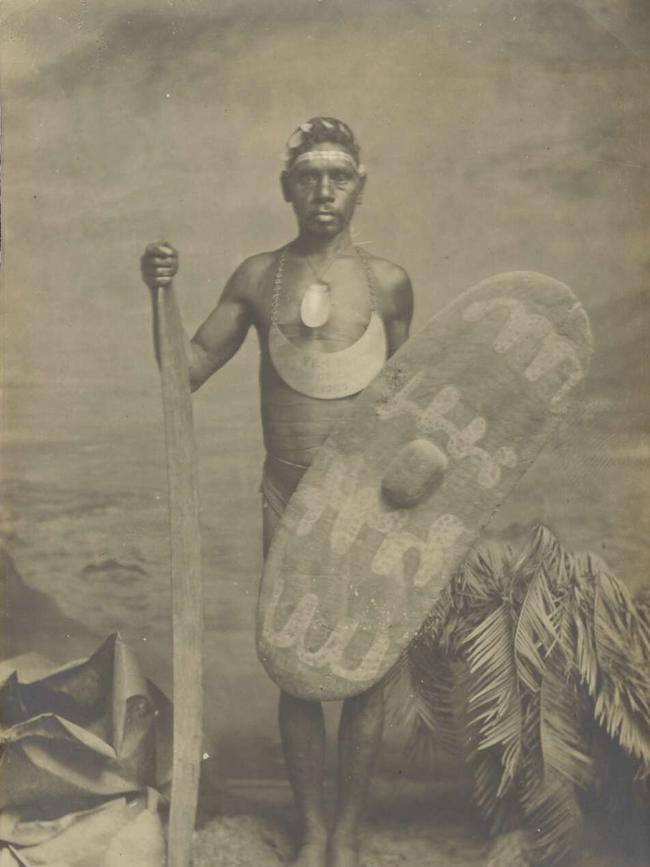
{"x": 303, "y": 739}
{"x": 360, "y": 731}
{"x": 302, "y": 729}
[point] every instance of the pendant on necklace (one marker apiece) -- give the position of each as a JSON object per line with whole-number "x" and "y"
{"x": 316, "y": 305}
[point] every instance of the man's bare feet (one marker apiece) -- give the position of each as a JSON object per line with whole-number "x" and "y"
{"x": 312, "y": 853}
{"x": 344, "y": 851}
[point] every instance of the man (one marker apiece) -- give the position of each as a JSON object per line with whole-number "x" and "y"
{"x": 318, "y": 294}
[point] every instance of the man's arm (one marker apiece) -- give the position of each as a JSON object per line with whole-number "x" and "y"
{"x": 222, "y": 333}
{"x": 396, "y": 303}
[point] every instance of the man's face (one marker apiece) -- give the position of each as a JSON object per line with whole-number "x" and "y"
{"x": 323, "y": 188}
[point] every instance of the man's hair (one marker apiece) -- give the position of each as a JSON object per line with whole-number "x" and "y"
{"x": 321, "y": 129}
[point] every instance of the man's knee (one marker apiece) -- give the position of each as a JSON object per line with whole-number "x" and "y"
{"x": 371, "y": 701}
{"x": 291, "y": 702}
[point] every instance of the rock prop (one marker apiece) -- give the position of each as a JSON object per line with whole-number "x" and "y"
{"x": 117, "y": 832}
{"x": 84, "y": 753}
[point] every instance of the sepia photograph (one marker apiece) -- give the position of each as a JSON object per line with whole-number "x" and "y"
{"x": 325, "y": 441}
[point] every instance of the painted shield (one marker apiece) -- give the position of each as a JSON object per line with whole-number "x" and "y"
{"x": 405, "y": 482}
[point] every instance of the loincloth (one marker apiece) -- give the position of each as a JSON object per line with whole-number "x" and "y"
{"x": 279, "y": 480}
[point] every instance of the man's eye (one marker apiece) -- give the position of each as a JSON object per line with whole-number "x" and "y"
{"x": 340, "y": 177}
{"x": 308, "y": 180}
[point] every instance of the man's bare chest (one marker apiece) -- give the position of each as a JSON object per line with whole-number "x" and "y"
{"x": 348, "y": 296}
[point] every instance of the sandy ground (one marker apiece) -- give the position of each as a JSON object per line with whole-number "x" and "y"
{"x": 409, "y": 824}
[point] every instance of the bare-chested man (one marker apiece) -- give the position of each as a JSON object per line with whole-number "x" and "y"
{"x": 322, "y": 294}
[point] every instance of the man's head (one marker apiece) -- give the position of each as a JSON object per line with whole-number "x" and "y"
{"x": 323, "y": 177}
{"x": 318, "y": 130}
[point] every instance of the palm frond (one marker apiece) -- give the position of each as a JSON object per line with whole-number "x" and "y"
{"x": 548, "y": 650}
{"x": 617, "y": 630}
{"x": 404, "y": 711}
{"x": 537, "y": 629}
{"x": 422, "y": 748}
{"x": 549, "y": 806}
{"x": 625, "y": 726}
{"x": 642, "y": 604}
{"x": 553, "y": 815}
{"x": 541, "y": 548}
{"x": 500, "y": 810}
{"x": 622, "y": 699}
{"x": 562, "y": 726}
{"x": 439, "y": 622}
{"x": 493, "y": 701}
{"x": 481, "y": 583}
{"x": 586, "y": 658}
{"x": 432, "y": 678}
{"x": 492, "y": 561}
{"x": 399, "y": 695}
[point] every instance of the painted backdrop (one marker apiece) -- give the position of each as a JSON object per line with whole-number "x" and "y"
{"x": 498, "y": 135}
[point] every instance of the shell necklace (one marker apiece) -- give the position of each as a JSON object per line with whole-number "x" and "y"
{"x": 328, "y": 375}
{"x": 316, "y": 304}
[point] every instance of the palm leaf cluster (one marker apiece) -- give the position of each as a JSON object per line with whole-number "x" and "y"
{"x": 533, "y": 656}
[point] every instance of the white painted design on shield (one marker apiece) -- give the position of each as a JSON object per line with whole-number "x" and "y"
{"x": 436, "y": 552}
{"x": 354, "y": 511}
{"x": 554, "y": 350}
{"x": 332, "y": 652}
{"x": 461, "y": 443}
{"x": 523, "y": 325}
{"x": 357, "y": 505}
{"x": 520, "y": 325}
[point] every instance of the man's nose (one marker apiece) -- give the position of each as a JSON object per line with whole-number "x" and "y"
{"x": 325, "y": 190}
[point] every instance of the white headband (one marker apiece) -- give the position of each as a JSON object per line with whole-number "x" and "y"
{"x": 330, "y": 156}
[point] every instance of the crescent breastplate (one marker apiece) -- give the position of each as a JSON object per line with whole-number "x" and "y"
{"x": 328, "y": 375}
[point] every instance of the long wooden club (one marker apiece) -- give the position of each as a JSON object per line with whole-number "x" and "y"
{"x": 187, "y": 591}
